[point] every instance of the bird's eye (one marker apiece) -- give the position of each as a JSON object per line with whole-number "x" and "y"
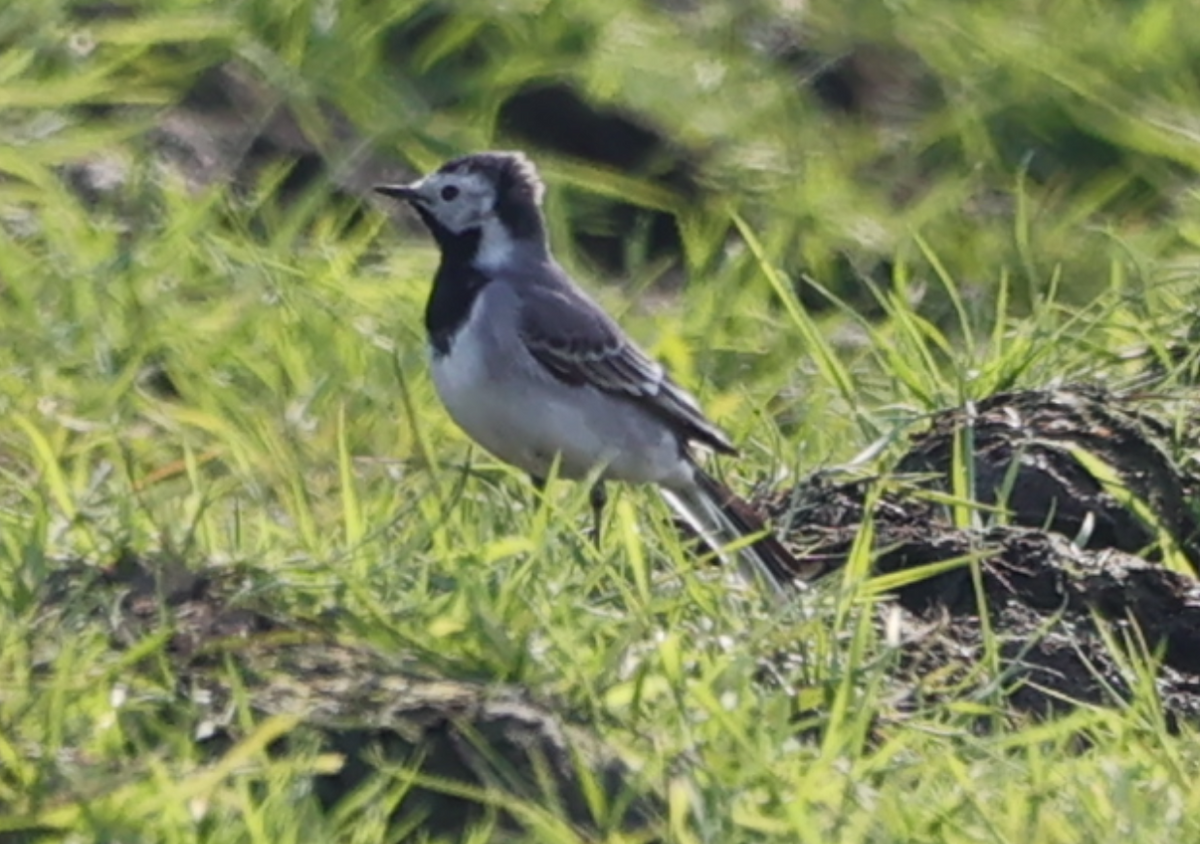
{"x": 449, "y": 193}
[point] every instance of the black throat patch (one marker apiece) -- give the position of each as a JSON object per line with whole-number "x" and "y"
{"x": 456, "y": 285}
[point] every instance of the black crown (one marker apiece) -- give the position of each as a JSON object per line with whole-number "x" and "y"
{"x": 514, "y": 175}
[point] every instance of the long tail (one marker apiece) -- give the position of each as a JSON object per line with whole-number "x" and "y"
{"x": 712, "y": 510}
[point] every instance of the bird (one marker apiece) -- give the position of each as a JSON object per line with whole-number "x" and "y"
{"x": 532, "y": 369}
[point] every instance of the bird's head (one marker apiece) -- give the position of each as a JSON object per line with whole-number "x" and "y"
{"x": 477, "y": 193}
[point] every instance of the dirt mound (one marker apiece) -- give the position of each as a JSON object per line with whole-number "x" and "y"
{"x": 472, "y": 751}
{"x": 1074, "y": 584}
{"x": 1088, "y": 464}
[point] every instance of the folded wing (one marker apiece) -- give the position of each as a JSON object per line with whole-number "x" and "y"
{"x": 579, "y": 344}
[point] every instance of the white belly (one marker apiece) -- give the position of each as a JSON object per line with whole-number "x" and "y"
{"x": 525, "y": 417}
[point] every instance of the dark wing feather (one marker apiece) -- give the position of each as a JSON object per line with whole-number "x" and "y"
{"x": 579, "y": 344}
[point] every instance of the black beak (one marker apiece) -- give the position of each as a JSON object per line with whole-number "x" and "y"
{"x": 404, "y": 192}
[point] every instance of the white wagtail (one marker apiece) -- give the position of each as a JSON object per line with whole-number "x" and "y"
{"x": 535, "y": 372}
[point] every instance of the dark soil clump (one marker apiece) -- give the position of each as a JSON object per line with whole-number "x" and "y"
{"x": 1094, "y": 506}
{"x": 1081, "y": 462}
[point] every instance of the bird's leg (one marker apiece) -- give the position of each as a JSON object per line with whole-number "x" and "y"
{"x": 598, "y": 497}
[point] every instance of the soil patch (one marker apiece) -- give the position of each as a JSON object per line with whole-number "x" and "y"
{"x": 1074, "y": 585}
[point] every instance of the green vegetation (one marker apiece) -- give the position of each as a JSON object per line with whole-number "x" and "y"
{"x": 232, "y": 375}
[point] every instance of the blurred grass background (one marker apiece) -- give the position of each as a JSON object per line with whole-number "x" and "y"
{"x": 828, "y": 218}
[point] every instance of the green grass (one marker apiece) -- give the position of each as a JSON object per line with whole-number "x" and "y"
{"x": 1039, "y": 214}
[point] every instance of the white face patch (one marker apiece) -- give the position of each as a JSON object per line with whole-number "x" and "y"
{"x": 459, "y": 201}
